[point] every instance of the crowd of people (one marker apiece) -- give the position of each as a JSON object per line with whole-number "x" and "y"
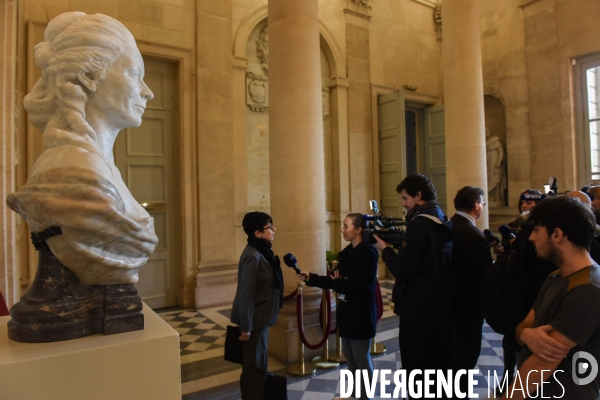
{"x": 439, "y": 271}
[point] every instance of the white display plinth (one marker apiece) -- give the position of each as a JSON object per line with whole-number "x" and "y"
{"x": 134, "y": 365}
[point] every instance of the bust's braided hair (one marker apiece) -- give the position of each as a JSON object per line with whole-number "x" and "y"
{"x": 77, "y": 51}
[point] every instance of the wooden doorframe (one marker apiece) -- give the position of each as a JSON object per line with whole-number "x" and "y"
{"x": 186, "y": 165}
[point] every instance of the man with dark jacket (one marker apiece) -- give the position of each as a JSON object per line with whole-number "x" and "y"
{"x": 421, "y": 294}
{"x": 471, "y": 258}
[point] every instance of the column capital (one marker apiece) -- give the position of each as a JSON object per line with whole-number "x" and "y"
{"x": 359, "y": 8}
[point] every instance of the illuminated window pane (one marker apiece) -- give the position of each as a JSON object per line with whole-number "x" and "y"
{"x": 592, "y": 85}
{"x": 595, "y": 145}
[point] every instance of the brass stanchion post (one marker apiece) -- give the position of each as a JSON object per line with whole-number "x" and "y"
{"x": 338, "y": 356}
{"x": 377, "y": 348}
{"x": 301, "y": 368}
{"x": 323, "y": 362}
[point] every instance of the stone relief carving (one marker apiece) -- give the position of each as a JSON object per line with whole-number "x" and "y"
{"x": 262, "y": 48}
{"x": 362, "y": 3}
{"x": 325, "y": 98}
{"x": 257, "y": 94}
{"x": 496, "y": 169}
{"x": 359, "y": 6}
{"x": 93, "y": 236}
{"x": 437, "y": 18}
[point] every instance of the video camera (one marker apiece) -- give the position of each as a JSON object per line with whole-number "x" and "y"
{"x": 390, "y": 230}
{"x": 551, "y": 190}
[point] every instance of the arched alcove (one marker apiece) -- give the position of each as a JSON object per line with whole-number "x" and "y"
{"x": 251, "y": 121}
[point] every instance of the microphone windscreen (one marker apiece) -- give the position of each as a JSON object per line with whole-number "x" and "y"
{"x": 490, "y": 237}
{"x": 506, "y": 231}
{"x": 290, "y": 260}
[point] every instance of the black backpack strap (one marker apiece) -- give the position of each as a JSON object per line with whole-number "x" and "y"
{"x": 39, "y": 238}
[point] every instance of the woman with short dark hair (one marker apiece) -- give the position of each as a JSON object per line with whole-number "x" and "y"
{"x": 258, "y": 298}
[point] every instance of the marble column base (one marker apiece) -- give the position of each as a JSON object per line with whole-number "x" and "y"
{"x": 284, "y": 339}
{"x": 58, "y": 306}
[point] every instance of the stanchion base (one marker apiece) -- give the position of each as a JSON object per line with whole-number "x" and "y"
{"x": 320, "y": 364}
{"x": 378, "y": 349}
{"x": 338, "y": 359}
{"x": 302, "y": 369}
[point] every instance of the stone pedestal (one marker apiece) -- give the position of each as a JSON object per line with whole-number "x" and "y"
{"x": 284, "y": 339}
{"x": 134, "y": 365}
{"x": 58, "y": 306}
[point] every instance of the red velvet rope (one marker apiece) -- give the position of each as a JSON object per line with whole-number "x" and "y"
{"x": 300, "y": 318}
{"x": 291, "y": 295}
{"x": 378, "y": 300}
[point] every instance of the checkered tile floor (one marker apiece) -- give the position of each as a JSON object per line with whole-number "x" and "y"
{"x": 326, "y": 385}
{"x": 196, "y": 331}
{"x": 202, "y": 336}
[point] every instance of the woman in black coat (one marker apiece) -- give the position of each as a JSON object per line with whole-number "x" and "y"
{"x": 354, "y": 280}
{"x": 258, "y": 298}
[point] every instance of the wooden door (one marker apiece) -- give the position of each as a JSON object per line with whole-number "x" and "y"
{"x": 392, "y": 151}
{"x": 145, "y": 156}
{"x": 435, "y": 151}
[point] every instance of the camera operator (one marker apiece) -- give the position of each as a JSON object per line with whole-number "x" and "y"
{"x": 421, "y": 294}
{"x": 471, "y": 258}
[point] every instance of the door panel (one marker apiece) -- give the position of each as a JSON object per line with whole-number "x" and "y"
{"x": 435, "y": 151}
{"x": 145, "y": 158}
{"x": 392, "y": 154}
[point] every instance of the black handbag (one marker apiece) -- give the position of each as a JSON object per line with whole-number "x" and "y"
{"x": 234, "y": 347}
{"x": 275, "y": 387}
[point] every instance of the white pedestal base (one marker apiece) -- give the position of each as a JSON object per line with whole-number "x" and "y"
{"x": 134, "y": 365}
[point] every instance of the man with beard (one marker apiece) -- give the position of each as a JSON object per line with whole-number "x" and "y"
{"x": 564, "y": 323}
{"x": 422, "y": 292}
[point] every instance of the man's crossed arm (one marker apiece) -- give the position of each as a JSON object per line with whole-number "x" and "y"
{"x": 549, "y": 348}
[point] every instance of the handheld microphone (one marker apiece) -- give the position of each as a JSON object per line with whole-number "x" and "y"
{"x": 291, "y": 262}
{"x": 494, "y": 241}
{"x": 506, "y": 232}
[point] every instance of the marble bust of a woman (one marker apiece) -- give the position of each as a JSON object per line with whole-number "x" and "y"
{"x": 91, "y": 88}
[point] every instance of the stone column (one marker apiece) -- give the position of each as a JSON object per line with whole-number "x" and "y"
{"x": 360, "y": 135}
{"x": 217, "y": 270}
{"x": 463, "y": 100}
{"x": 296, "y": 134}
{"x": 9, "y": 272}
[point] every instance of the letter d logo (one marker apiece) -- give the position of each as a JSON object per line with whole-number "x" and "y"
{"x": 584, "y": 367}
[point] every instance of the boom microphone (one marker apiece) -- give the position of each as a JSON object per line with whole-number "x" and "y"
{"x": 494, "y": 241}
{"x": 506, "y": 232}
{"x": 291, "y": 262}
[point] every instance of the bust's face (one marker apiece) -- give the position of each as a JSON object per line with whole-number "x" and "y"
{"x": 120, "y": 98}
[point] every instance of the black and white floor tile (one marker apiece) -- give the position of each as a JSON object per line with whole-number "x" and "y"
{"x": 206, "y": 376}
